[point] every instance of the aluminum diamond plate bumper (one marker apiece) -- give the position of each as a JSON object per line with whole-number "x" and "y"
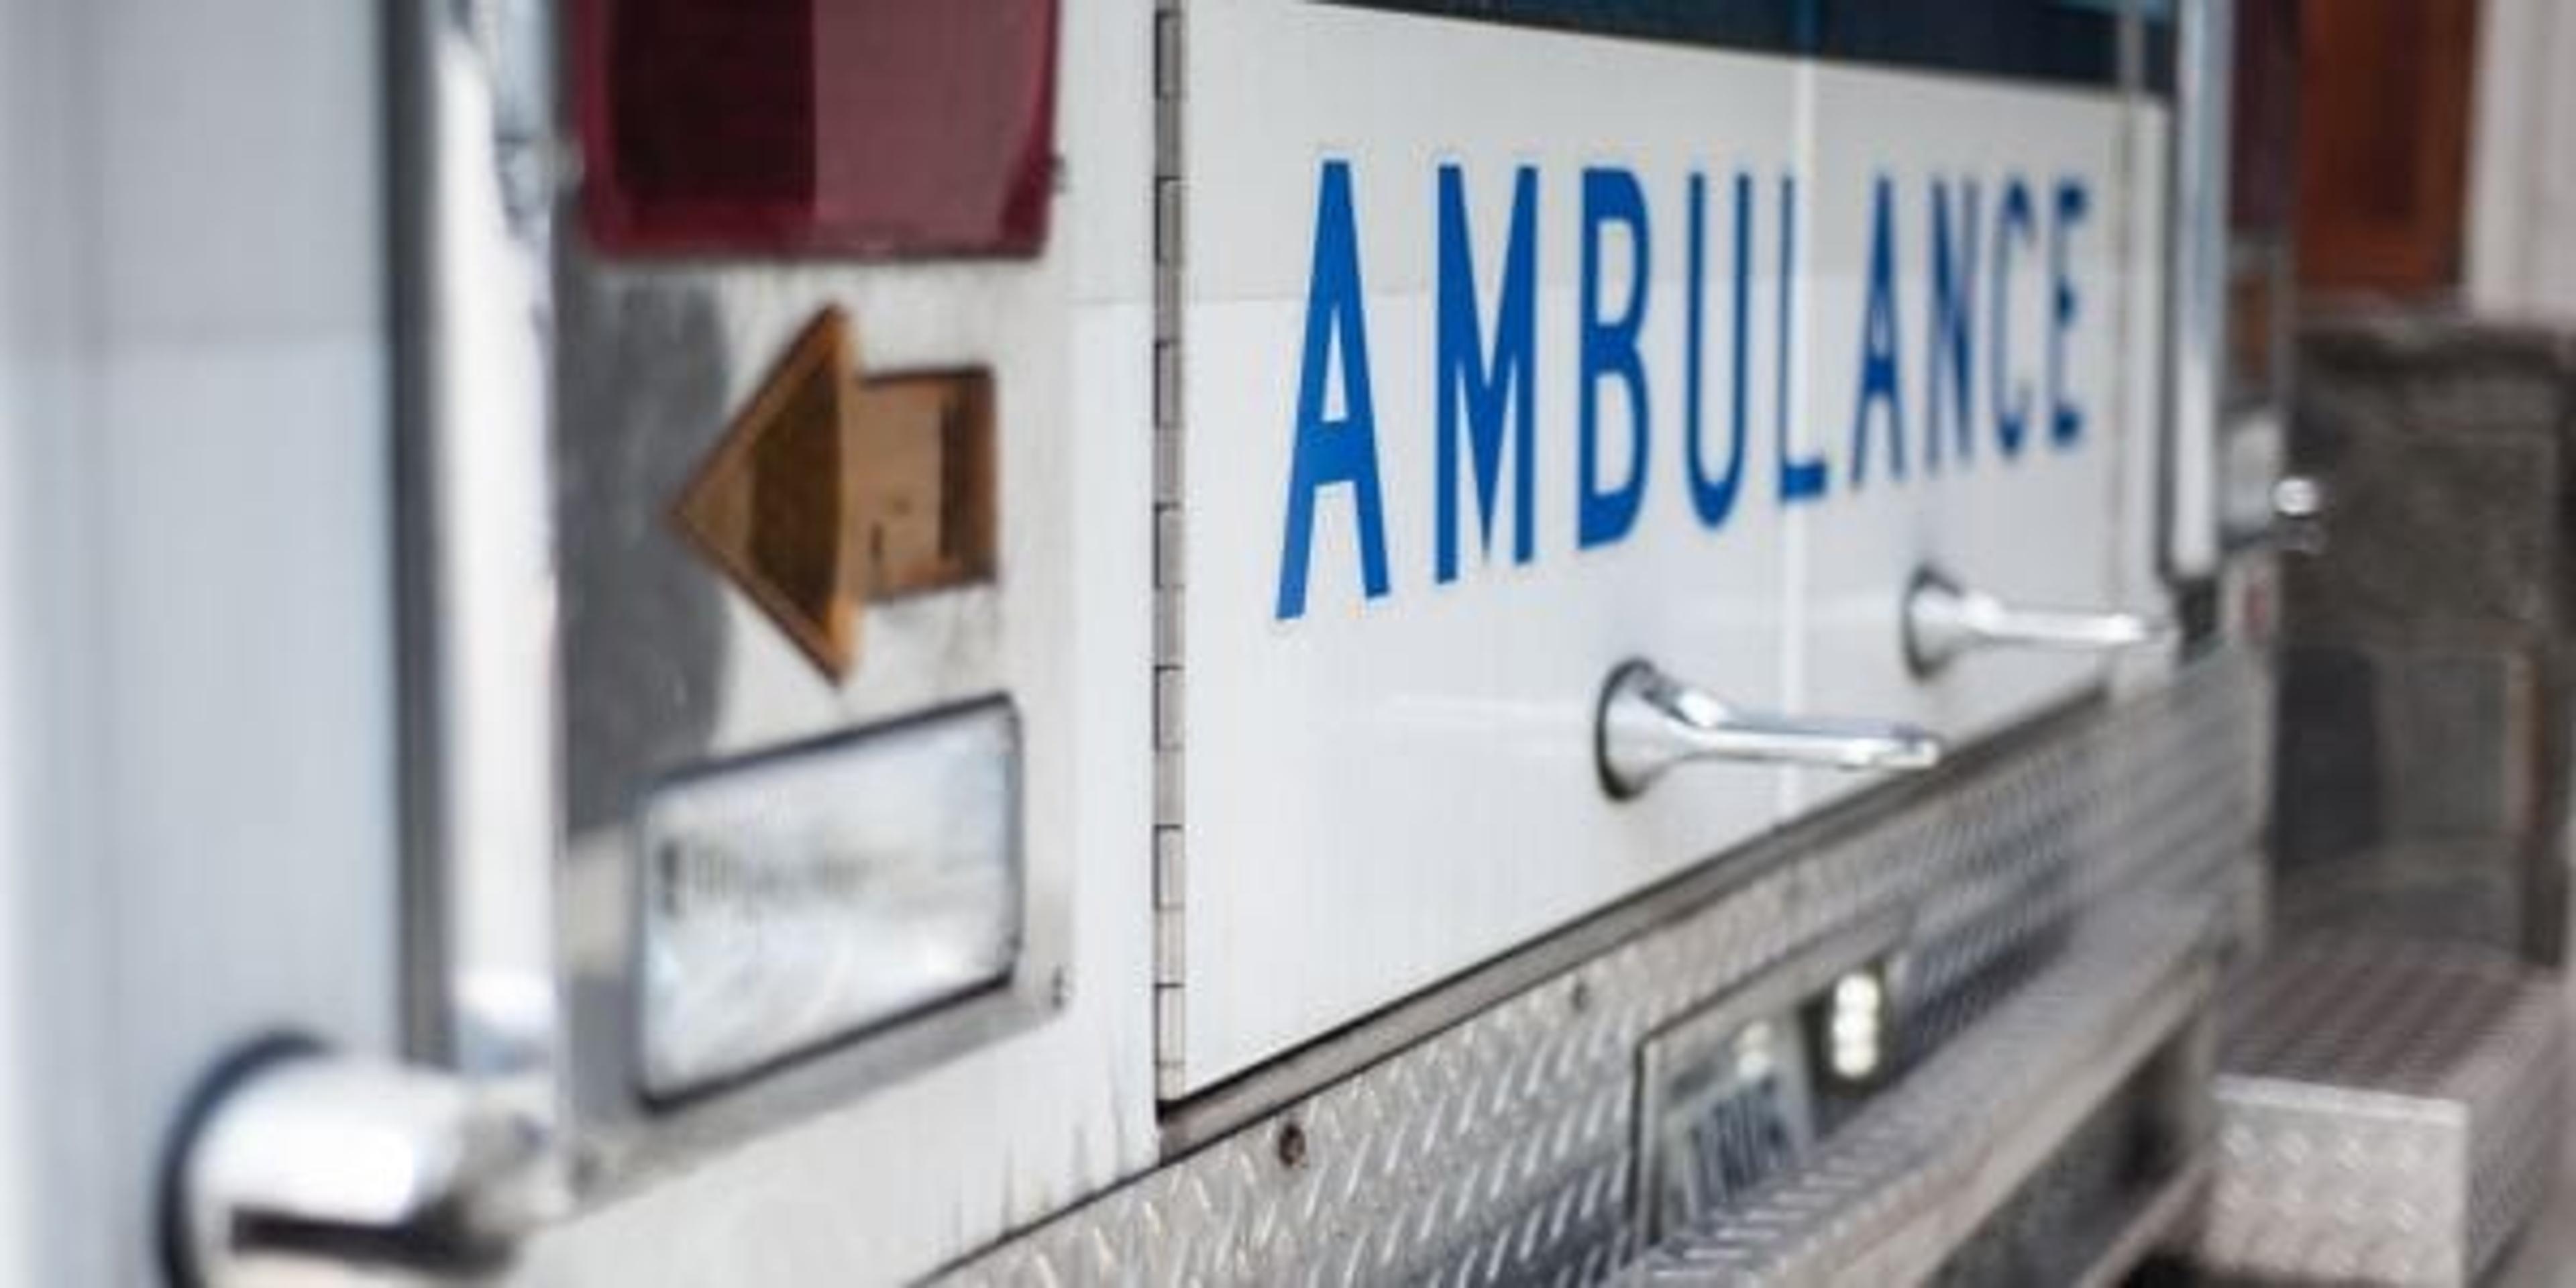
{"x": 1900, "y": 1190}
{"x": 2387, "y": 1114}
{"x": 1502, "y": 1149}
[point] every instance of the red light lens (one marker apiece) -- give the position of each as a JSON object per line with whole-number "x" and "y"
{"x": 868, "y": 128}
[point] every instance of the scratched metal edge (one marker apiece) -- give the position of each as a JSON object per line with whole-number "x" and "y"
{"x": 1500, "y": 1149}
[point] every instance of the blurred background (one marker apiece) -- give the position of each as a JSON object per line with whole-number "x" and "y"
{"x": 2402, "y": 286}
{"x": 2401, "y": 281}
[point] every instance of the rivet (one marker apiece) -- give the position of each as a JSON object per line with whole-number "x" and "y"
{"x": 1292, "y": 1145}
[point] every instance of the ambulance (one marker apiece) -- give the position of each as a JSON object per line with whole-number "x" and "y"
{"x": 791, "y": 642}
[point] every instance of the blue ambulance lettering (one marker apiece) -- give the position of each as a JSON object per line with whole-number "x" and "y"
{"x": 1607, "y": 512}
{"x": 1916, "y": 372}
{"x": 2013, "y": 234}
{"x": 1802, "y": 479}
{"x": 1333, "y": 451}
{"x": 1949, "y": 399}
{"x": 1713, "y": 494}
{"x": 1878, "y": 384}
{"x": 2065, "y": 418}
{"x": 1482, "y": 389}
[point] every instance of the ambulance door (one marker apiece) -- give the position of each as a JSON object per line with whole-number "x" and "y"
{"x": 1965, "y": 545}
{"x": 1478, "y": 358}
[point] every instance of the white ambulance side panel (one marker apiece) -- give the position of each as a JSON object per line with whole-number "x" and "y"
{"x": 2030, "y": 184}
{"x": 1385, "y": 787}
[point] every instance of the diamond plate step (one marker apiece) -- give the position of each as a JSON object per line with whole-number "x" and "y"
{"x": 2388, "y": 1112}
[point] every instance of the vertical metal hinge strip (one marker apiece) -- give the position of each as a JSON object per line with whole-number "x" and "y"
{"x": 1169, "y": 461}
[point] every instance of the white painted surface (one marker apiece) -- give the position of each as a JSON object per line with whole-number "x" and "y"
{"x": 910, "y": 1176}
{"x": 1389, "y": 788}
{"x": 2522, "y": 177}
{"x": 28, "y": 226}
{"x": 196, "y": 757}
{"x": 242, "y": 527}
{"x": 61, "y": 1174}
{"x": 1385, "y": 791}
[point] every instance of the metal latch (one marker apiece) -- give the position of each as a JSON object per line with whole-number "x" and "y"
{"x": 1650, "y": 722}
{"x": 1944, "y": 619}
{"x": 297, "y": 1156}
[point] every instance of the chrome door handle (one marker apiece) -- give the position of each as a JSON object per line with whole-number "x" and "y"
{"x": 304, "y": 1158}
{"x": 1650, "y": 722}
{"x": 297, "y": 1166}
{"x": 1944, "y": 619}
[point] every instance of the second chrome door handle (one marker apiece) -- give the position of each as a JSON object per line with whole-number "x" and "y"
{"x": 1944, "y": 619}
{"x": 1650, "y": 722}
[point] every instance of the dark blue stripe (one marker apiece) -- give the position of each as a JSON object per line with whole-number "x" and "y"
{"x": 2039, "y": 39}
{"x": 2160, "y": 58}
{"x": 2062, "y": 41}
{"x": 1768, "y": 25}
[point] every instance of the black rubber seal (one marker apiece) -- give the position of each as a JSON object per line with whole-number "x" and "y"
{"x": 178, "y": 1260}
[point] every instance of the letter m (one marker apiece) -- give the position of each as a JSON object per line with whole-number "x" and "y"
{"x": 1487, "y": 385}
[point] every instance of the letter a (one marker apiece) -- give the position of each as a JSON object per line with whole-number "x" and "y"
{"x": 1329, "y": 450}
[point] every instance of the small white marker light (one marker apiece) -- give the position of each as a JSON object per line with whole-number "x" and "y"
{"x": 1754, "y": 1059}
{"x": 1855, "y": 1026}
{"x": 1855, "y": 1061}
{"x": 1858, "y": 991}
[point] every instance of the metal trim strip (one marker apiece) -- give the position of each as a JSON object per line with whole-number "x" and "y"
{"x": 1171, "y": 676}
{"x": 472, "y": 175}
{"x": 2196, "y": 321}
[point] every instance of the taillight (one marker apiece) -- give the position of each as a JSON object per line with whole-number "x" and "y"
{"x": 871, "y": 128}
